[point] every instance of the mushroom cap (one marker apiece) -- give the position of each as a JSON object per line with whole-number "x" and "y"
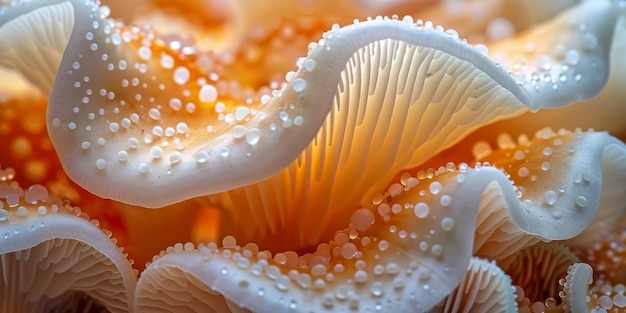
{"x": 52, "y": 253}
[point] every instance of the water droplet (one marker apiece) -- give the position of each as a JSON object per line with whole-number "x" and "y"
{"x": 581, "y": 201}
{"x": 362, "y": 219}
{"x": 377, "y": 289}
{"x": 447, "y": 223}
{"x": 445, "y": 200}
{"x": 4, "y": 215}
{"x": 523, "y": 171}
{"x": 181, "y": 75}
{"x": 208, "y": 93}
{"x": 253, "y": 136}
{"x": 360, "y": 276}
{"x": 101, "y": 164}
{"x": 421, "y": 210}
{"x": 435, "y": 188}
{"x": 299, "y": 85}
{"x": 550, "y": 197}
{"x": 436, "y": 249}
{"x": 282, "y": 282}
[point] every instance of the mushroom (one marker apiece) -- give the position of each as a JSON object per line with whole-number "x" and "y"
{"x": 612, "y": 211}
{"x": 54, "y": 257}
{"x": 240, "y": 27}
{"x": 606, "y": 115}
{"x": 308, "y": 205}
{"x": 33, "y": 44}
{"x": 27, "y": 149}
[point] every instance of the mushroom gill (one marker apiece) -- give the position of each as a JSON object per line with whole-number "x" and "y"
{"x": 537, "y": 270}
{"x": 485, "y": 288}
{"x": 54, "y": 258}
{"x": 33, "y": 45}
